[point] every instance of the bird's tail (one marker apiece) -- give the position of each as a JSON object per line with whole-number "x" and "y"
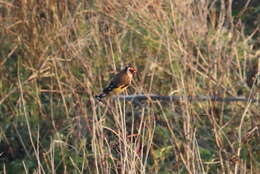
{"x": 100, "y": 96}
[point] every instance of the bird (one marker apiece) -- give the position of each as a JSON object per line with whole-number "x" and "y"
{"x": 118, "y": 83}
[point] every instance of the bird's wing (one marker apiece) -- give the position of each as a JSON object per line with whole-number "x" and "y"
{"x": 119, "y": 81}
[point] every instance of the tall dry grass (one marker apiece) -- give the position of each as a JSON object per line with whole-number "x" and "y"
{"x": 56, "y": 55}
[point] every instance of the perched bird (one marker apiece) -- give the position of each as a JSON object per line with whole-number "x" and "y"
{"x": 118, "y": 83}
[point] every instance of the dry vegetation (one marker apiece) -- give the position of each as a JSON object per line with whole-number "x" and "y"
{"x": 56, "y": 55}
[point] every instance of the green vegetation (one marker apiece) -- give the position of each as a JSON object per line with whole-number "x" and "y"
{"x": 56, "y": 55}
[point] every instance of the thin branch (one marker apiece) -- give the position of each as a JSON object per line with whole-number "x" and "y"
{"x": 189, "y": 98}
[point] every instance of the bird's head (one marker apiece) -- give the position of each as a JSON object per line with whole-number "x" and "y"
{"x": 130, "y": 69}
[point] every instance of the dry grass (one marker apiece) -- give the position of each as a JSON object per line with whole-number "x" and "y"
{"x": 56, "y": 55}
